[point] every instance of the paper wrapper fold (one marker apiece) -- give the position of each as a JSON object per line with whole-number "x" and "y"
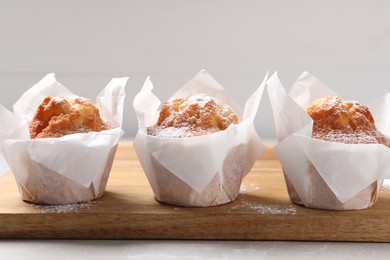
{"x": 70, "y": 169}
{"x": 197, "y": 171}
{"x": 322, "y": 174}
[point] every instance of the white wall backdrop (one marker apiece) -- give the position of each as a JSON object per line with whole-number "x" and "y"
{"x": 87, "y": 42}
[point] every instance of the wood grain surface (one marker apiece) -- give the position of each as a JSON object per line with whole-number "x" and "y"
{"x": 128, "y": 210}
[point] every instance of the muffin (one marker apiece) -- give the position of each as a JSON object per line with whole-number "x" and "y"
{"x": 337, "y": 121}
{"x": 197, "y": 147}
{"x": 186, "y": 117}
{"x": 60, "y": 147}
{"x": 56, "y": 117}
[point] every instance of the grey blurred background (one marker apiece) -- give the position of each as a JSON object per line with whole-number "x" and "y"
{"x": 346, "y": 44}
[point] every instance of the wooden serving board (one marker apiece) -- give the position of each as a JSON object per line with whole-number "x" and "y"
{"x": 128, "y": 210}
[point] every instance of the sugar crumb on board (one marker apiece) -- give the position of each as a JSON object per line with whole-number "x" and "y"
{"x": 242, "y": 203}
{"x": 247, "y": 188}
{"x": 386, "y": 186}
{"x": 261, "y": 208}
{"x": 65, "y": 208}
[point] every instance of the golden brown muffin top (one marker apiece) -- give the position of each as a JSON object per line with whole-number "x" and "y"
{"x": 344, "y": 122}
{"x": 59, "y": 116}
{"x": 193, "y": 116}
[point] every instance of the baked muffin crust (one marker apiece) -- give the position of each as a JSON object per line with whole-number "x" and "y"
{"x": 59, "y": 116}
{"x": 346, "y": 122}
{"x": 193, "y": 116}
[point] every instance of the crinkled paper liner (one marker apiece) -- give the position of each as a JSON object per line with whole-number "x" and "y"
{"x": 45, "y": 186}
{"x": 322, "y": 197}
{"x": 223, "y": 188}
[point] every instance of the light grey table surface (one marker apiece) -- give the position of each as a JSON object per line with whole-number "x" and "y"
{"x": 173, "y": 249}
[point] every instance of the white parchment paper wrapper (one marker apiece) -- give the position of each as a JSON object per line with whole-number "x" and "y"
{"x": 73, "y": 168}
{"x": 197, "y": 171}
{"x": 322, "y": 174}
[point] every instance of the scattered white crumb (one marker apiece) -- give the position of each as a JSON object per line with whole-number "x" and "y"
{"x": 273, "y": 209}
{"x": 386, "y": 185}
{"x": 66, "y": 208}
{"x": 246, "y": 188}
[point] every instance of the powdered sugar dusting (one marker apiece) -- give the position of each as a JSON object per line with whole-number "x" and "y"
{"x": 247, "y": 188}
{"x": 192, "y": 116}
{"x": 241, "y": 204}
{"x": 386, "y": 186}
{"x": 345, "y": 122}
{"x": 355, "y": 137}
{"x": 63, "y": 209}
{"x": 170, "y": 132}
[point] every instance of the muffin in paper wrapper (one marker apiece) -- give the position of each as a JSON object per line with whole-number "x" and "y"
{"x": 70, "y": 169}
{"x": 321, "y": 174}
{"x": 198, "y": 171}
